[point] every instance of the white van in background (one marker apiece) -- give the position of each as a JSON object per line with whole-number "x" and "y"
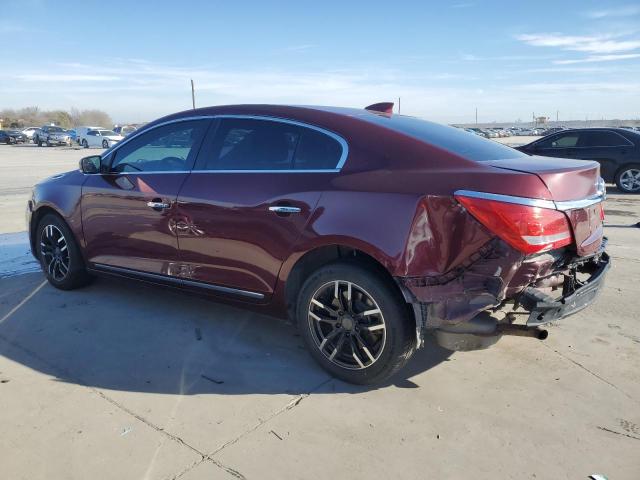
{"x": 81, "y": 133}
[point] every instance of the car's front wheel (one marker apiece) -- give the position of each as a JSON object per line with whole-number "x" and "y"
{"x": 105, "y": 144}
{"x": 355, "y": 323}
{"x": 59, "y": 254}
{"x": 628, "y": 179}
{"x": 84, "y": 143}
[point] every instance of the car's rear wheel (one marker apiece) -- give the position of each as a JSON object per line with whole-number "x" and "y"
{"x": 355, "y": 323}
{"x": 628, "y": 179}
{"x": 105, "y": 144}
{"x": 59, "y": 254}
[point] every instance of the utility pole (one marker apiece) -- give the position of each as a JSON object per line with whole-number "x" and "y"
{"x": 476, "y": 116}
{"x": 557, "y": 115}
{"x": 398, "y": 105}
{"x": 193, "y": 95}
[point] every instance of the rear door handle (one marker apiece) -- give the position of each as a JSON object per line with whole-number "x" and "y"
{"x": 158, "y": 205}
{"x": 284, "y": 209}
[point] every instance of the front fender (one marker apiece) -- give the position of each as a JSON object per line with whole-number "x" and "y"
{"x": 61, "y": 194}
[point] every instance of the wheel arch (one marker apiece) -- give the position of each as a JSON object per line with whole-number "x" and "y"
{"x": 36, "y": 216}
{"x": 321, "y": 255}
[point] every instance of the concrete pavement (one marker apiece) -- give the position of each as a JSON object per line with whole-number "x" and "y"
{"x": 124, "y": 381}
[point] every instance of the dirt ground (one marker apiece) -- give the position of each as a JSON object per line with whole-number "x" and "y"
{"x": 124, "y": 381}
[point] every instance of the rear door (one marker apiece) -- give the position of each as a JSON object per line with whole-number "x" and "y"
{"x": 608, "y": 148}
{"x": 255, "y": 186}
{"x": 129, "y": 213}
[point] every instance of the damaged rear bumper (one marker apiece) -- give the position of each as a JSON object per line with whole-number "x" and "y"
{"x": 577, "y": 294}
{"x": 498, "y": 275}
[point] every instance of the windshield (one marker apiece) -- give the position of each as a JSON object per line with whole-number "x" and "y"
{"x": 107, "y": 133}
{"x": 56, "y": 129}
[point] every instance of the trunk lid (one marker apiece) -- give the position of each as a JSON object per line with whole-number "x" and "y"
{"x": 567, "y": 181}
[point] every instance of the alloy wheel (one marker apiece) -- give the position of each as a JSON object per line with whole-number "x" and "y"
{"x": 347, "y": 325}
{"x": 630, "y": 180}
{"x": 54, "y": 252}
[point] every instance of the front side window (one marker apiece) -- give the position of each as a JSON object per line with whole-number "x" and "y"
{"x": 561, "y": 141}
{"x": 256, "y": 144}
{"x": 163, "y": 149}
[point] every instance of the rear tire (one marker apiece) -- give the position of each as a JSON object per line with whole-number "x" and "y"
{"x": 364, "y": 334}
{"x": 59, "y": 254}
{"x": 628, "y": 179}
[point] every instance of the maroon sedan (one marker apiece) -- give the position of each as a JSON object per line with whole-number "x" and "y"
{"x": 368, "y": 229}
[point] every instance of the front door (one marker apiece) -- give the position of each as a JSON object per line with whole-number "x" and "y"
{"x": 128, "y": 213}
{"x": 255, "y": 185}
{"x": 561, "y": 145}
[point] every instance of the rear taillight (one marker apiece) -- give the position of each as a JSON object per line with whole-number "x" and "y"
{"x": 526, "y": 228}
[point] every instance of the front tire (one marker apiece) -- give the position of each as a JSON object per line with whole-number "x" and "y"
{"x": 85, "y": 144}
{"x": 628, "y": 179}
{"x": 59, "y": 254}
{"x": 105, "y": 144}
{"x": 355, "y": 323}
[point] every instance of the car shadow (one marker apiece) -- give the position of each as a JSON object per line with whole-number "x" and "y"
{"x": 123, "y": 335}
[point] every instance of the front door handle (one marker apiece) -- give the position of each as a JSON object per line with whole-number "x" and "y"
{"x": 158, "y": 205}
{"x": 284, "y": 209}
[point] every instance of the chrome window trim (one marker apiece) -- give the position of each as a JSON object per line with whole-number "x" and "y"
{"x": 177, "y": 280}
{"x": 288, "y": 170}
{"x": 530, "y": 202}
{"x": 341, "y": 161}
{"x": 535, "y": 202}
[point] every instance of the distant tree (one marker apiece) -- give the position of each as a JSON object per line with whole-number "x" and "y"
{"x": 96, "y": 118}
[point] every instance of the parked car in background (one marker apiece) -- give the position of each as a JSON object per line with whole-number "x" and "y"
{"x": 475, "y": 132}
{"x": 51, "y": 135}
{"x": 101, "y": 138}
{"x": 525, "y": 132}
{"x": 81, "y": 133}
{"x": 480, "y": 132}
{"x": 357, "y": 224}
{"x": 617, "y": 150}
{"x": 549, "y": 131}
{"x": 12, "y": 137}
{"x": 29, "y": 132}
{"x": 124, "y": 130}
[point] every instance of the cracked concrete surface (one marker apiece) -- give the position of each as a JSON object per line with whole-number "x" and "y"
{"x": 124, "y": 381}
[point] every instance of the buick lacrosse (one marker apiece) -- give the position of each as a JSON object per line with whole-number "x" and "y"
{"x": 369, "y": 230}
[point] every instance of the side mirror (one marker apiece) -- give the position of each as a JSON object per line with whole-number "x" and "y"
{"x": 90, "y": 165}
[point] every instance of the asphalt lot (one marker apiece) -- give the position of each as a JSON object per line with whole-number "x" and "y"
{"x": 124, "y": 381}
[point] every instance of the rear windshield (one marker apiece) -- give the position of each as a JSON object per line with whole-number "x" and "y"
{"x": 455, "y": 140}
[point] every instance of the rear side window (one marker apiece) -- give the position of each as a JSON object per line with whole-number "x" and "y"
{"x": 604, "y": 139}
{"x": 567, "y": 140}
{"x": 316, "y": 150}
{"x": 256, "y": 144}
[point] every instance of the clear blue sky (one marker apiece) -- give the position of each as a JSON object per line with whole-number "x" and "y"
{"x": 134, "y": 59}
